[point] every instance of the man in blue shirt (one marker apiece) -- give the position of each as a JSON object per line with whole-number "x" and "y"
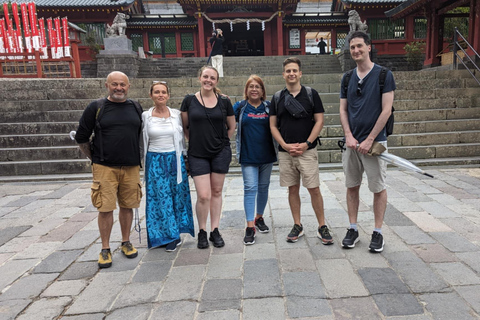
{"x": 364, "y": 111}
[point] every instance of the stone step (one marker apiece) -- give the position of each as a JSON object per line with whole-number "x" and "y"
{"x": 41, "y": 153}
{"x": 421, "y": 155}
{"x": 44, "y": 167}
{"x": 415, "y": 139}
{"x": 35, "y": 140}
{"x": 38, "y": 128}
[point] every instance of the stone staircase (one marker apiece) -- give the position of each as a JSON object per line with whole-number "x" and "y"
{"x": 234, "y": 66}
{"x": 437, "y": 118}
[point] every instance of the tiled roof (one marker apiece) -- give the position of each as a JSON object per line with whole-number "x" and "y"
{"x": 162, "y": 22}
{"x": 83, "y": 3}
{"x": 371, "y": 1}
{"x": 402, "y": 7}
{"x": 315, "y": 20}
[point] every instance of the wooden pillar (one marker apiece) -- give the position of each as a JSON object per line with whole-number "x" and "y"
{"x": 333, "y": 39}
{"x": 303, "y": 42}
{"x": 281, "y": 51}
{"x": 146, "y": 43}
{"x": 178, "y": 43}
{"x": 474, "y": 26}
{"x": 434, "y": 38}
{"x": 267, "y": 39}
{"x": 76, "y": 58}
{"x": 409, "y": 26}
{"x": 201, "y": 36}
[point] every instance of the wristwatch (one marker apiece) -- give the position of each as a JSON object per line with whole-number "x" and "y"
{"x": 309, "y": 144}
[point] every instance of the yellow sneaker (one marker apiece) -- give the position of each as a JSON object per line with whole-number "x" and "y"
{"x": 129, "y": 250}
{"x": 105, "y": 259}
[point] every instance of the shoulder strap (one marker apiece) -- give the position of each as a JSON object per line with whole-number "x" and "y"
{"x": 240, "y": 109}
{"x": 310, "y": 95}
{"x": 276, "y": 97}
{"x": 346, "y": 80}
{"x": 382, "y": 77}
{"x": 99, "y": 112}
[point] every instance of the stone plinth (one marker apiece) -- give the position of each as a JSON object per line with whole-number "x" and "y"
{"x": 117, "y": 45}
{"x": 117, "y": 56}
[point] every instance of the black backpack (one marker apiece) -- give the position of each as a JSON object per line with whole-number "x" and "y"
{"x": 98, "y": 127}
{"x": 381, "y": 82}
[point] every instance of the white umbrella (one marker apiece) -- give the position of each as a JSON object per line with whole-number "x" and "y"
{"x": 403, "y": 163}
{"x": 390, "y": 158}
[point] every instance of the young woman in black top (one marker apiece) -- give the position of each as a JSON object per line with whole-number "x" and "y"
{"x": 208, "y": 122}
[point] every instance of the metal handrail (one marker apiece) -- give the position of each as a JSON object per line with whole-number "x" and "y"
{"x": 456, "y": 46}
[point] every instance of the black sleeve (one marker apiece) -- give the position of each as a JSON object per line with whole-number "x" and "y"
{"x": 185, "y": 103}
{"x": 228, "y": 105}
{"x": 317, "y": 102}
{"x": 86, "y": 124}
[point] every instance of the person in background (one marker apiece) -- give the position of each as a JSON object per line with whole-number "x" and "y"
{"x": 322, "y": 45}
{"x": 208, "y": 123}
{"x": 216, "y": 41}
{"x": 256, "y": 153}
{"x": 168, "y": 209}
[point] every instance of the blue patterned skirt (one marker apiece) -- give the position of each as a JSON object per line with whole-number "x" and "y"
{"x": 169, "y": 206}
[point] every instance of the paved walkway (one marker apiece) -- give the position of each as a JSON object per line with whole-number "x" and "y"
{"x": 430, "y": 268}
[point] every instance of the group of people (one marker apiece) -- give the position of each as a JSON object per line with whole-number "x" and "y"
{"x": 284, "y": 129}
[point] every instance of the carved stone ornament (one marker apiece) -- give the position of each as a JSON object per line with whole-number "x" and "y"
{"x": 355, "y": 22}
{"x": 118, "y": 27}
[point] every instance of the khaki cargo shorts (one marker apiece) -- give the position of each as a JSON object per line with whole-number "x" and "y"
{"x": 112, "y": 184}
{"x": 304, "y": 167}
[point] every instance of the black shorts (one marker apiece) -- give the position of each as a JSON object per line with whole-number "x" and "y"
{"x": 220, "y": 163}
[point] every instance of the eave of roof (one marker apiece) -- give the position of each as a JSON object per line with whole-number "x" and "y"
{"x": 162, "y": 22}
{"x": 372, "y": 1}
{"x": 83, "y": 3}
{"x": 404, "y": 8}
{"x": 315, "y": 20}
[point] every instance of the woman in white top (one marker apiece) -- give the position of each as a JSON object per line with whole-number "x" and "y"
{"x": 168, "y": 208}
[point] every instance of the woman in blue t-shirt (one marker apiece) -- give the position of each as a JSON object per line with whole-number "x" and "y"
{"x": 256, "y": 152}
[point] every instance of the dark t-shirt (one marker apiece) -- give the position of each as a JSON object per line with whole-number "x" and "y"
{"x": 364, "y": 110}
{"x": 121, "y": 126}
{"x": 295, "y": 130}
{"x": 256, "y": 144}
{"x": 218, "y": 46}
{"x": 207, "y": 126}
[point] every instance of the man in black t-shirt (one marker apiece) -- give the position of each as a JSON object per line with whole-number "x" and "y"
{"x": 115, "y": 161}
{"x": 297, "y": 137}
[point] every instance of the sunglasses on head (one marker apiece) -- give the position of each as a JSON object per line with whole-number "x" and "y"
{"x": 161, "y": 82}
{"x": 359, "y": 87}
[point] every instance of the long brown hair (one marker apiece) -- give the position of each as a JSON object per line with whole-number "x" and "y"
{"x": 259, "y": 80}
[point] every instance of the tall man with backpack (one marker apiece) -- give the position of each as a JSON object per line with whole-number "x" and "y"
{"x": 366, "y": 100}
{"x": 296, "y": 119}
{"x": 115, "y": 154}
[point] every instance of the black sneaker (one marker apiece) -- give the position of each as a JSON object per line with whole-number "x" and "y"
{"x": 172, "y": 246}
{"x": 249, "y": 236}
{"x": 216, "y": 238}
{"x": 324, "y": 234}
{"x": 350, "y": 239}
{"x": 295, "y": 233}
{"x": 261, "y": 226}
{"x": 202, "y": 239}
{"x": 377, "y": 243}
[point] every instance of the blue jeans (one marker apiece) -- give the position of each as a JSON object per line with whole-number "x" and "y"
{"x": 256, "y": 180}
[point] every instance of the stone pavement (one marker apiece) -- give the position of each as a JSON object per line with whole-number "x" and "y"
{"x": 430, "y": 268}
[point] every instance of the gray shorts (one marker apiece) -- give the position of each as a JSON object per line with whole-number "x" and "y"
{"x": 355, "y": 163}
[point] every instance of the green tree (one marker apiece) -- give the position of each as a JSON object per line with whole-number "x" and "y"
{"x": 414, "y": 53}
{"x": 460, "y": 22}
